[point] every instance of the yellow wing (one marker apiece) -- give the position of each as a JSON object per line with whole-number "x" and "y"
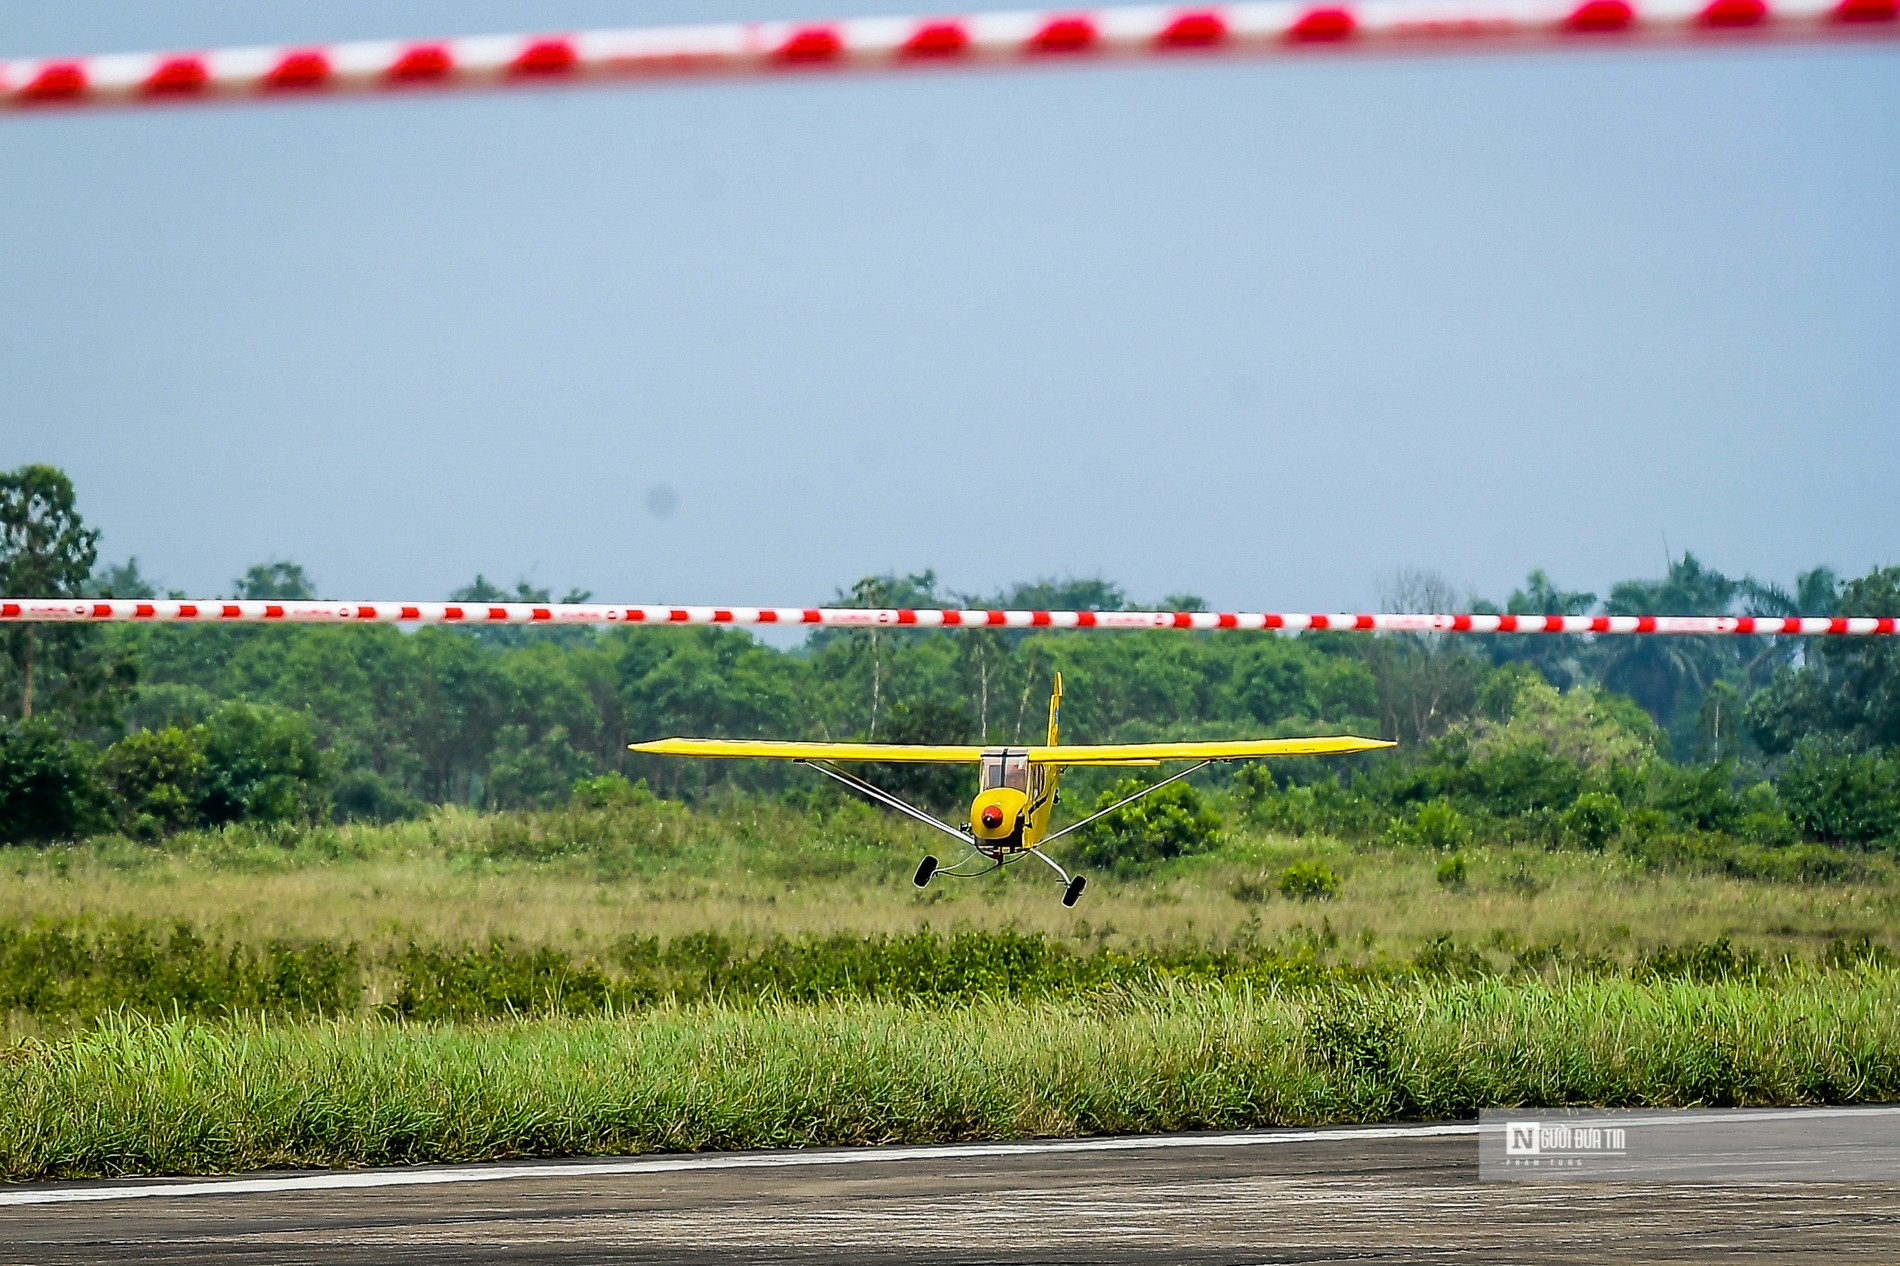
{"x": 772, "y": 749}
{"x": 1240, "y": 749}
{"x": 1079, "y": 754}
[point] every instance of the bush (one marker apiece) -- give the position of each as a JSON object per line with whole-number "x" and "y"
{"x": 1700, "y": 798}
{"x": 1437, "y": 825}
{"x": 262, "y": 765}
{"x": 1858, "y": 953}
{"x": 500, "y": 978}
{"x": 1451, "y": 871}
{"x": 530, "y": 772}
{"x": 1793, "y": 864}
{"x": 1308, "y": 881}
{"x": 1171, "y": 822}
{"x": 1594, "y": 818}
{"x": 610, "y": 791}
{"x": 1321, "y": 808}
{"x": 1764, "y": 820}
{"x": 1839, "y": 795}
{"x": 1519, "y": 779}
{"x": 79, "y": 970}
{"x": 1709, "y": 962}
{"x": 49, "y": 786}
{"x": 363, "y": 795}
{"x": 159, "y": 779}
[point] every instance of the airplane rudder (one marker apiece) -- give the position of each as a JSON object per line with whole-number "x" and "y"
{"x": 1055, "y": 711}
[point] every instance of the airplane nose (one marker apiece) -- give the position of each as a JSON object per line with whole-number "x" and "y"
{"x": 992, "y": 816}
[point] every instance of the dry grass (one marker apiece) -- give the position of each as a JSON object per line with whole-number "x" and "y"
{"x": 758, "y": 870}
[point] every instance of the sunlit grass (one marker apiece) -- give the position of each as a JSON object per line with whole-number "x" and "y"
{"x": 758, "y": 869}
{"x": 137, "y": 1096}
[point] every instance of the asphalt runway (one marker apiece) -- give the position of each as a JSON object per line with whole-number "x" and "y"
{"x": 1399, "y": 1194}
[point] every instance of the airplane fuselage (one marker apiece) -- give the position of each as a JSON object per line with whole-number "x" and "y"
{"x": 1012, "y": 808}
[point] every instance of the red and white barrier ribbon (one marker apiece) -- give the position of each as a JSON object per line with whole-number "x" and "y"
{"x": 900, "y": 43}
{"x": 231, "y": 611}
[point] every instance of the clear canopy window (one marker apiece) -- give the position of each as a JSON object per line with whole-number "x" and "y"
{"x": 1006, "y": 769}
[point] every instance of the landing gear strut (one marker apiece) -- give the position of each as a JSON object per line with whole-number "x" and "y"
{"x": 928, "y": 869}
{"x": 1072, "y": 885}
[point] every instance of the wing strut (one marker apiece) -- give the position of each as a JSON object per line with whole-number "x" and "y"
{"x": 885, "y": 798}
{"x": 1125, "y": 800}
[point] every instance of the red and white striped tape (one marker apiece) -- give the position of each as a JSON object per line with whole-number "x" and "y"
{"x": 231, "y": 611}
{"x": 886, "y": 44}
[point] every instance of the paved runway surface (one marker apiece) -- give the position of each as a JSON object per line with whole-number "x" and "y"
{"x": 1348, "y": 1195}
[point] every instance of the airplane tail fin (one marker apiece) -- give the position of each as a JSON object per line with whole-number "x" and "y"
{"x": 1046, "y": 774}
{"x": 1055, "y": 712}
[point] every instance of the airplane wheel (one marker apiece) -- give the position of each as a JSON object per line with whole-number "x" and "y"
{"x": 1073, "y": 893}
{"x": 925, "y": 869}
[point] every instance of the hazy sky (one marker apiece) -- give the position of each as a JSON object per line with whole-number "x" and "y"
{"x": 1258, "y": 331}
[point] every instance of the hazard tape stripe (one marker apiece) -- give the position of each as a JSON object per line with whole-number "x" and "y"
{"x": 316, "y": 72}
{"x": 229, "y": 611}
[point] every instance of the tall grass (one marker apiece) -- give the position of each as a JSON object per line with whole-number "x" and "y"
{"x": 61, "y": 974}
{"x": 578, "y": 879}
{"x": 131, "y": 1095}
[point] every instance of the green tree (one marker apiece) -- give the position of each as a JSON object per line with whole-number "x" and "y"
{"x": 1835, "y": 793}
{"x": 1426, "y": 681}
{"x": 46, "y": 551}
{"x": 528, "y": 772}
{"x": 1171, "y": 822}
{"x": 49, "y": 787}
{"x": 865, "y": 650}
{"x": 943, "y": 788}
{"x": 158, "y": 778}
{"x": 262, "y": 764}
{"x": 1847, "y": 687}
{"x": 121, "y": 580}
{"x": 1666, "y": 673}
{"x": 484, "y": 592}
{"x": 1563, "y": 661}
{"x": 1816, "y": 592}
{"x": 285, "y": 580}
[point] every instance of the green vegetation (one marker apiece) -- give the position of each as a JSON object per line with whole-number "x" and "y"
{"x": 157, "y": 729}
{"x": 70, "y": 972}
{"x": 1172, "y": 822}
{"x": 322, "y": 895}
{"x": 137, "y": 1096}
{"x": 1308, "y": 881}
{"x": 643, "y": 901}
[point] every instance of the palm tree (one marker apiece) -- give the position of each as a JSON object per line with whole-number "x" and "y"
{"x": 1662, "y": 673}
{"x": 1816, "y": 592}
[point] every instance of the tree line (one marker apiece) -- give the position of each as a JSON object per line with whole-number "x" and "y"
{"x": 156, "y": 728}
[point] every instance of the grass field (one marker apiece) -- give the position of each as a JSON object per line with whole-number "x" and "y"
{"x": 575, "y": 879}
{"x": 135, "y": 1096}
{"x": 652, "y": 977}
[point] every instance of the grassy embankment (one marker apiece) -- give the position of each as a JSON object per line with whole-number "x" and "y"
{"x": 753, "y": 976}
{"x": 131, "y": 1096}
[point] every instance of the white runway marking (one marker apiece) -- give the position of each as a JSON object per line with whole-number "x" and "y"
{"x": 502, "y": 1172}
{"x": 505, "y": 1172}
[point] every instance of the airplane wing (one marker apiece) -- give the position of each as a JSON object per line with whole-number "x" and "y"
{"x": 1078, "y": 754}
{"x": 1241, "y": 749}
{"x": 772, "y": 749}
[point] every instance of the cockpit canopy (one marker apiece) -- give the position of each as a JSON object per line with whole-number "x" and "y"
{"x": 1005, "y": 767}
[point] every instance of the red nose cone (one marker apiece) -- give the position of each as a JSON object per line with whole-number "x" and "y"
{"x": 992, "y": 817}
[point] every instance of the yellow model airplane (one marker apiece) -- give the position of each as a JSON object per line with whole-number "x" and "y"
{"x": 1016, "y": 785}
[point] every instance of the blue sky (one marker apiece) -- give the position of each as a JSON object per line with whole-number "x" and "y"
{"x": 1266, "y": 333}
